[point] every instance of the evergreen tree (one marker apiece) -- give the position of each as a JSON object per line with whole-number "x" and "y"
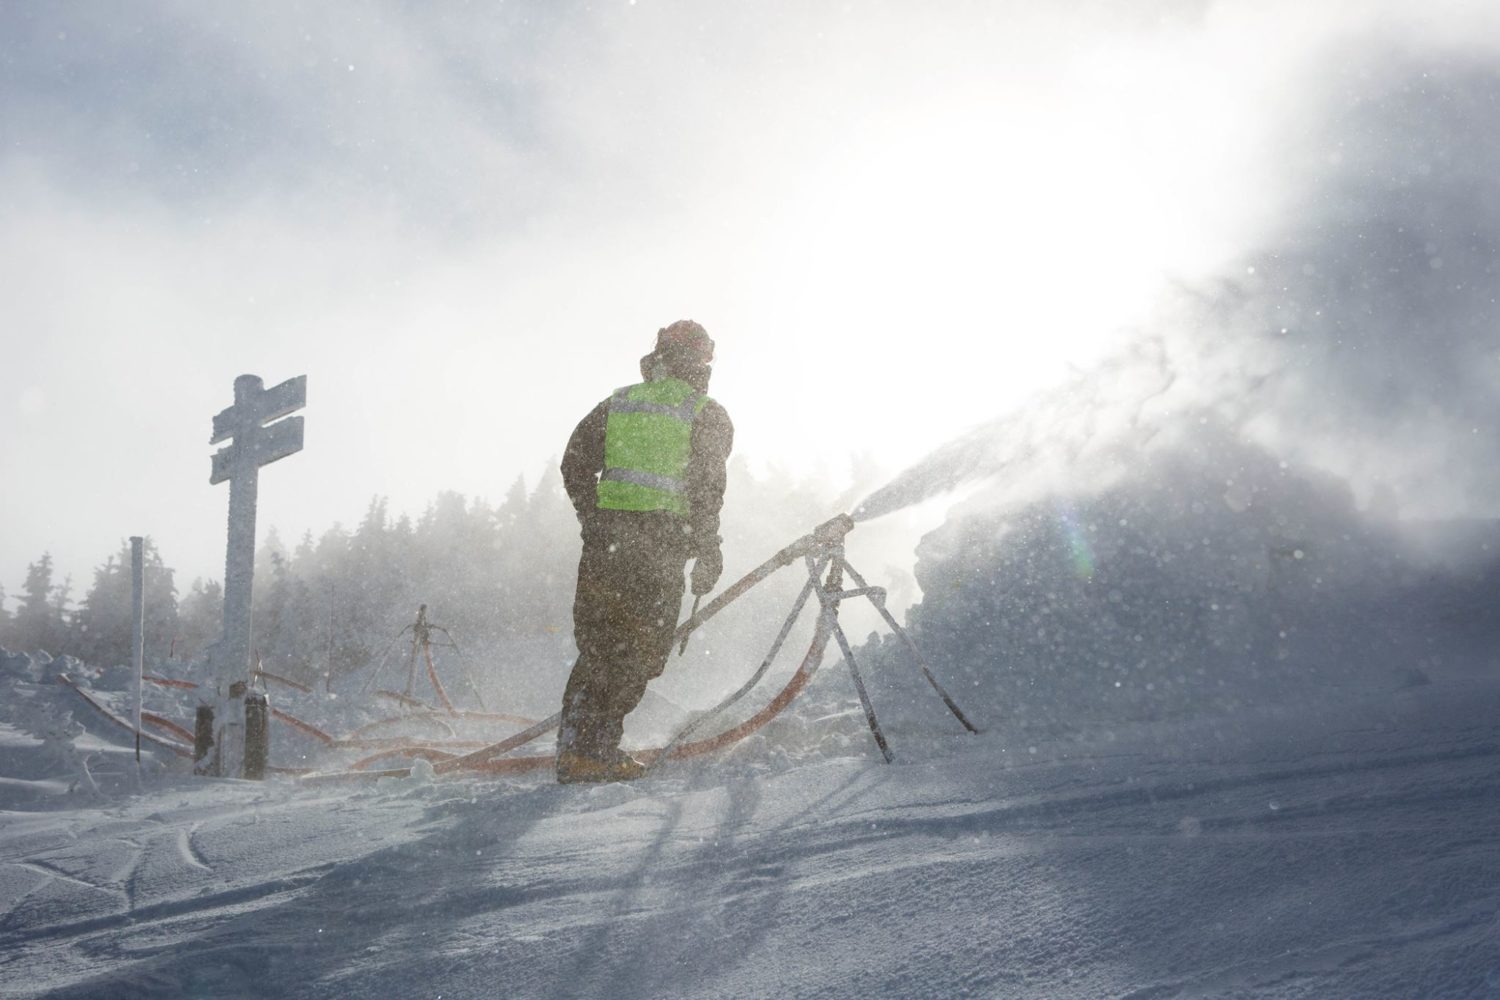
{"x": 513, "y": 509}
{"x": 38, "y": 623}
{"x": 546, "y": 568}
{"x": 60, "y": 601}
{"x": 200, "y": 618}
{"x": 304, "y": 553}
{"x": 103, "y": 629}
{"x": 452, "y": 551}
{"x": 284, "y": 622}
{"x": 7, "y": 639}
{"x": 501, "y": 578}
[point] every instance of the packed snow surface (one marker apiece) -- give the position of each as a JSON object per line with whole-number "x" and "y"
{"x": 1343, "y": 848}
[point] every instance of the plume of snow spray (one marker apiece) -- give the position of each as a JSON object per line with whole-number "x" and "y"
{"x": 1361, "y": 340}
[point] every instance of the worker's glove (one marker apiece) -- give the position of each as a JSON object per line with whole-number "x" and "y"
{"x": 706, "y": 570}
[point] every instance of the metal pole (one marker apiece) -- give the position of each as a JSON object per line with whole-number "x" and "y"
{"x": 463, "y": 664}
{"x": 138, "y": 627}
{"x": 328, "y": 662}
{"x": 830, "y": 599}
{"x": 416, "y": 644}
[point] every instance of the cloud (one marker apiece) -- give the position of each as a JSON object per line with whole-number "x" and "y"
{"x": 329, "y": 109}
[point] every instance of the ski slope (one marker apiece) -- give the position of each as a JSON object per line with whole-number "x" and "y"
{"x": 1340, "y": 848}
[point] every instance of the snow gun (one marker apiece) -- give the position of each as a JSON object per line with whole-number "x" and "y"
{"x": 822, "y": 549}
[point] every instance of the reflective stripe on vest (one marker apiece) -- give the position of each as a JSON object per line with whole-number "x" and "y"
{"x": 666, "y": 484}
{"x": 648, "y": 441}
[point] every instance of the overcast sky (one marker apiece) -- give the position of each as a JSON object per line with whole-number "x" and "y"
{"x": 464, "y": 224}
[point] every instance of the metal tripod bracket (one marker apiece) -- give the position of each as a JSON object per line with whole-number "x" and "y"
{"x": 821, "y": 550}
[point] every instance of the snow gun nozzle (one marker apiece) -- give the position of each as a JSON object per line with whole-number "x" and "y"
{"x": 832, "y": 531}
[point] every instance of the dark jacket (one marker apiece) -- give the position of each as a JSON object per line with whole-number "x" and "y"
{"x": 713, "y": 437}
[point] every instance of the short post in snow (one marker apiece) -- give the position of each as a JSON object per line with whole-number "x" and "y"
{"x": 257, "y": 734}
{"x": 138, "y": 627}
{"x": 257, "y": 441}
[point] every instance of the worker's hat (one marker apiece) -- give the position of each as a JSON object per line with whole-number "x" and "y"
{"x": 687, "y": 339}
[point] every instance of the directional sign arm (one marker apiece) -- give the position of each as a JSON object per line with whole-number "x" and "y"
{"x": 226, "y": 425}
{"x": 278, "y": 441}
{"x": 266, "y": 446}
{"x": 267, "y": 405}
{"x": 279, "y": 400}
{"x": 223, "y": 466}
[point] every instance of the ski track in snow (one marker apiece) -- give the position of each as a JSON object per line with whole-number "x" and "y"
{"x": 1356, "y": 859}
{"x": 188, "y": 852}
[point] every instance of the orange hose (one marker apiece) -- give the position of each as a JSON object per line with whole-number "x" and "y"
{"x": 405, "y": 699}
{"x": 284, "y": 680}
{"x": 489, "y": 761}
{"x": 170, "y": 682}
{"x": 437, "y": 685}
{"x": 428, "y": 753}
{"x": 397, "y": 743}
{"x": 519, "y": 720}
{"x": 109, "y": 714}
{"x": 164, "y": 723}
{"x": 305, "y": 727}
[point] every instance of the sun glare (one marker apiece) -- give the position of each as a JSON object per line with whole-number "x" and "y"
{"x": 977, "y": 252}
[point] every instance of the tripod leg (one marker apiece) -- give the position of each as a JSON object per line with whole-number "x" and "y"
{"x": 411, "y": 667}
{"x": 890, "y": 620}
{"x": 380, "y": 663}
{"x": 469, "y": 679}
{"x": 432, "y": 675}
{"x": 864, "y": 698}
{"x": 463, "y": 665}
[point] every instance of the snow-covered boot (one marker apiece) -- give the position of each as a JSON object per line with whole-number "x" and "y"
{"x": 578, "y": 768}
{"x": 626, "y": 767}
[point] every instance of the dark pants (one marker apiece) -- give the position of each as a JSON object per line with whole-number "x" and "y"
{"x": 630, "y": 583}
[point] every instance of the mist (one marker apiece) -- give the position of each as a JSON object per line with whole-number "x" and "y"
{"x": 465, "y": 227}
{"x": 1357, "y": 338}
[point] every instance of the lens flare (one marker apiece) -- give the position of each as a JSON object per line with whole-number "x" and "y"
{"x": 1079, "y": 550}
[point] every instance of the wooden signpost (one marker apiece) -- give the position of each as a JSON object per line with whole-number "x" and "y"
{"x": 260, "y": 437}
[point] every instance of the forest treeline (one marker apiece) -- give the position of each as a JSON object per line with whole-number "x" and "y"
{"x": 333, "y": 603}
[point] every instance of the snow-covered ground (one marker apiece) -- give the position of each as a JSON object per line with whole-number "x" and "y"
{"x": 1340, "y": 848}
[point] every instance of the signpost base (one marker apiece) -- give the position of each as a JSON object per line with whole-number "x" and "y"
{"x": 257, "y": 734}
{"x": 205, "y": 761}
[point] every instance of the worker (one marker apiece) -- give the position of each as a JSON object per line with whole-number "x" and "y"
{"x": 645, "y": 471}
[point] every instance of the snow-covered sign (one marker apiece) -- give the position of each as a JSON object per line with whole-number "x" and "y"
{"x": 256, "y": 444}
{"x": 260, "y": 437}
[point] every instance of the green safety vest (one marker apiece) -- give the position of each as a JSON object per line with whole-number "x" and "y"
{"x": 648, "y": 439}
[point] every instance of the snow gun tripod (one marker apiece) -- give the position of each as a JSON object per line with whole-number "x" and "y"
{"x": 821, "y": 550}
{"x": 421, "y": 642}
